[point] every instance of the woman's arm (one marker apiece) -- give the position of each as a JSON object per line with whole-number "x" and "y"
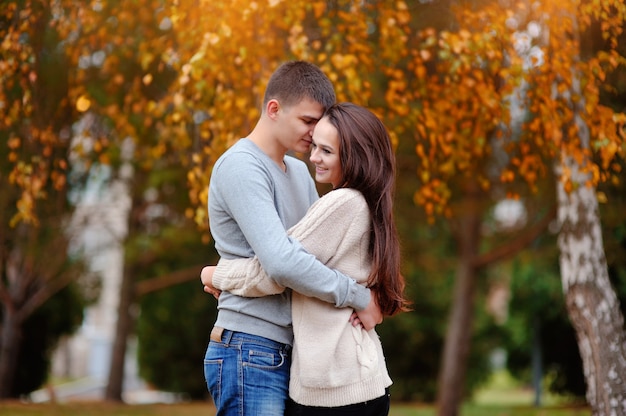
{"x": 320, "y": 232}
{"x": 242, "y": 277}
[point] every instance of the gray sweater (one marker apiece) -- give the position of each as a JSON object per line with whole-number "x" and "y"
{"x": 251, "y": 204}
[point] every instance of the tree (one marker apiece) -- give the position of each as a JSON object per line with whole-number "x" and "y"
{"x": 588, "y": 140}
{"x": 59, "y": 316}
{"x": 539, "y": 301}
{"x": 34, "y": 135}
{"x": 457, "y": 101}
{"x": 453, "y": 103}
{"x": 65, "y": 62}
{"x": 123, "y": 67}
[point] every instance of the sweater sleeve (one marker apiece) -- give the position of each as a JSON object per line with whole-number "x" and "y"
{"x": 244, "y": 277}
{"x": 328, "y": 223}
{"x": 282, "y": 258}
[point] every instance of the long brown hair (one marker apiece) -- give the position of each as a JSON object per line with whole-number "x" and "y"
{"x": 368, "y": 165}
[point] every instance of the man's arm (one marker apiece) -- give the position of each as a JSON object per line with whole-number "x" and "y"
{"x": 368, "y": 317}
{"x": 337, "y": 223}
{"x": 253, "y": 207}
{"x": 321, "y": 232}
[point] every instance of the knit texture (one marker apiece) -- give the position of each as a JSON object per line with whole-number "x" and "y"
{"x": 333, "y": 363}
{"x": 252, "y": 201}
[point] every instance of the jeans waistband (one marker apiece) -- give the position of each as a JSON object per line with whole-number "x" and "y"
{"x": 226, "y": 336}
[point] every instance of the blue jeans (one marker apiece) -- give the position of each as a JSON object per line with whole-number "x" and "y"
{"x": 247, "y": 375}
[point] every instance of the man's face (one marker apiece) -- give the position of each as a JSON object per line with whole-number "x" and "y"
{"x": 296, "y": 124}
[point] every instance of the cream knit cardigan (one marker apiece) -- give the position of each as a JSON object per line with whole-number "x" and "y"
{"x": 333, "y": 363}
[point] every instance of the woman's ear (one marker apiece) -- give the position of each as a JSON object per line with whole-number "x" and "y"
{"x": 272, "y": 108}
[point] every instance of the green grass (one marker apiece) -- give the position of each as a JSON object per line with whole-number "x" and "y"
{"x": 206, "y": 409}
{"x": 102, "y": 408}
{"x": 502, "y": 397}
{"x": 492, "y": 410}
{"x": 503, "y": 389}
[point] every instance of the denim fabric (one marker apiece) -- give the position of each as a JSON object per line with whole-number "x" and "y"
{"x": 376, "y": 407}
{"x": 247, "y": 375}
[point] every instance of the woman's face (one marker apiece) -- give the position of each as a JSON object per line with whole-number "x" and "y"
{"x": 325, "y": 153}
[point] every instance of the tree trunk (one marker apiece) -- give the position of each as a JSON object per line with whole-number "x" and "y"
{"x": 537, "y": 361}
{"x": 451, "y": 382}
{"x": 123, "y": 327}
{"x": 591, "y": 302}
{"x": 123, "y": 195}
{"x": 9, "y": 350}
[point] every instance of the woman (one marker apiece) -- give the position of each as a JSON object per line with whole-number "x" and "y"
{"x": 338, "y": 368}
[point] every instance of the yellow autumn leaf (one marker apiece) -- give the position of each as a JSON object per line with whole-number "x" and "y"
{"x": 83, "y": 103}
{"x": 147, "y": 79}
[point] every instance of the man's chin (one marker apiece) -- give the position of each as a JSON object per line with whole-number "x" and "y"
{"x": 302, "y": 148}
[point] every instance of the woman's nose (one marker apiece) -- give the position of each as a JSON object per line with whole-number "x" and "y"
{"x": 314, "y": 156}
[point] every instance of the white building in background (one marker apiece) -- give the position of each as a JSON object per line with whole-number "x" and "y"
{"x": 98, "y": 228}
{"x": 100, "y": 224}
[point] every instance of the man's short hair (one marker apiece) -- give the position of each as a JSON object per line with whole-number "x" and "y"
{"x": 294, "y": 81}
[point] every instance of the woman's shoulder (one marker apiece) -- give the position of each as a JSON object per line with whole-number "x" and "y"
{"x": 334, "y": 210}
{"x": 343, "y": 196}
{"x": 345, "y": 193}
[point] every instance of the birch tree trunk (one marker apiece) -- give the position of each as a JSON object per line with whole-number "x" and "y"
{"x": 591, "y": 302}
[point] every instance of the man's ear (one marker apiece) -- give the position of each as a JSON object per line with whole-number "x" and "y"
{"x": 272, "y": 108}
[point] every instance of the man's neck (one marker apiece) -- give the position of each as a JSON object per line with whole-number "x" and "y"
{"x": 270, "y": 147}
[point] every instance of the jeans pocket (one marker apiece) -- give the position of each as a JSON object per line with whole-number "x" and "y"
{"x": 213, "y": 377}
{"x": 265, "y": 358}
{"x": 266, "y": 380}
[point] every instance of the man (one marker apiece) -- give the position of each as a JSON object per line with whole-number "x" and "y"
{"x": 256, "y": 193}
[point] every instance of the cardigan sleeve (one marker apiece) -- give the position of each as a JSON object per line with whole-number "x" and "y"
{"x": 322, "y": 230}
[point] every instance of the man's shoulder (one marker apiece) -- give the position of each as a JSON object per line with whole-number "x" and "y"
{"x": 241, "y": 148}
{"x": 239, "y": 156}
{"x": 291, "y": 159}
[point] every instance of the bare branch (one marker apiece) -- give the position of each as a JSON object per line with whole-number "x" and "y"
{"x": 162, "y": 282}
{"x": 521, "y": 241}
{"x": 44, "y": 293}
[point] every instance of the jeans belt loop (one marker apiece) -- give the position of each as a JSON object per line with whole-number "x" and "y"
{"x": 227, "y": 336}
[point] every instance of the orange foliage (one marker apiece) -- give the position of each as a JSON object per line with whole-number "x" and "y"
{"x": 224, "y": 74}
{"x": 460, "y": 95}
{"x": 456, "y": 93}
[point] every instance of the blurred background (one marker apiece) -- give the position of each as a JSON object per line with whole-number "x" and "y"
{"x": 507, "y": 119}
